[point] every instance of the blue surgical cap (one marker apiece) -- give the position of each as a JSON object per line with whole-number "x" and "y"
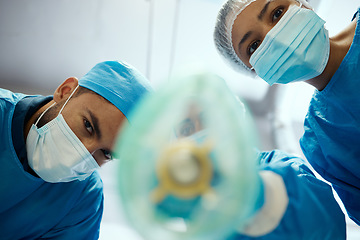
{"x": 118, "y": 82}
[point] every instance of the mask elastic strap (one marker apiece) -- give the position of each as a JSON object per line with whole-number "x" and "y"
{"x": 68, "y": 99}
{"x": 42, "y": 114}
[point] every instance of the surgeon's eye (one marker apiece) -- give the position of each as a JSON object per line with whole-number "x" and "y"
{"x": 107, "y": 154}
{"x": 277, "y": 14}
{"x": 252, "y": 47}
{"x": 88, "y": 126}
{"x": 186, "y": 128}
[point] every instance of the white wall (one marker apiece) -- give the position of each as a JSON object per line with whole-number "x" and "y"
{"x": 45, "y": 41}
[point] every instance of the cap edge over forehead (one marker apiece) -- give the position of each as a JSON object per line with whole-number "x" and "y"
{"x": 118, "y": 82}
{"x": 223, "y": 33}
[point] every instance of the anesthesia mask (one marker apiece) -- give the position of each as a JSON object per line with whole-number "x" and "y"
{"x": 188, "y": 163}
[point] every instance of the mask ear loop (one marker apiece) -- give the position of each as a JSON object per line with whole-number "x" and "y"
{"x": 42, "y": 114}
{"x": 68, "y": 99}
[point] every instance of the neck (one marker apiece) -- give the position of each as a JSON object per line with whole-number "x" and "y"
{"x": 35, "y": 117}
{"x": 339, "y": 47}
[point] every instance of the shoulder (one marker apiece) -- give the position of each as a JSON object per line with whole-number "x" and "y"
{"x": 90, "y": 200}
{"x": 9, "y": 99}
{"x": 79, "y": 193}
{"x": 9, "y": 96}
{"x": 87, "y": 196}
{"x": 92, "y": 186}
{"x": 84, "y": 201}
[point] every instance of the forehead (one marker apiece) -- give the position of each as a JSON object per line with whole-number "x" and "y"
{"x": 107, "y": 113}
{"x": 249, "y": 18}
{"x": 254, "y": 8}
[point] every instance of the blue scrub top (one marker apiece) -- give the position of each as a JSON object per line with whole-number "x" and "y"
{"x": 31, "y": 208}
{"x": 331, "y": 141}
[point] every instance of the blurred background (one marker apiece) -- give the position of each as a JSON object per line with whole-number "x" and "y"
{"x": 43, "y": 42}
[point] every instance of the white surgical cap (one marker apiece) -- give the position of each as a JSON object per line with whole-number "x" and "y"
{"x": 223, "y": 32}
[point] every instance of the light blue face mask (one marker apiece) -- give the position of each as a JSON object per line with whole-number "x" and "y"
{"x": 296, "y": 49}
{"x": 56, "y": 154}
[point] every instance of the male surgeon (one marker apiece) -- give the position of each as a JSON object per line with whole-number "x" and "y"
{"x": 51, "y": 147}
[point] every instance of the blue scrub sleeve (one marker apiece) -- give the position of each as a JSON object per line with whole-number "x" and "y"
{"x": 312, "y": 211}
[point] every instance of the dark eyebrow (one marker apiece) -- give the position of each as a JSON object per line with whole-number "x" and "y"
{"x": 245, "y": 37}
{"x": 263, "y": 11}
{"x": 95, "y": 122}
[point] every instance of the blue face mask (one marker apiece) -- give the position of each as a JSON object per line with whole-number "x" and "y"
{"x": 56, "y": 154}
{"x": 296, "y": 49}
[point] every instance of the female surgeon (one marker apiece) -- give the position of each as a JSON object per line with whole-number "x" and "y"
{"x": 284, "y": 41}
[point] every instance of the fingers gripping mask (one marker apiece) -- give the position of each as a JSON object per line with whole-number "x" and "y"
{"x": 296, "y": 49}
{"x": 56, "y": 154}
